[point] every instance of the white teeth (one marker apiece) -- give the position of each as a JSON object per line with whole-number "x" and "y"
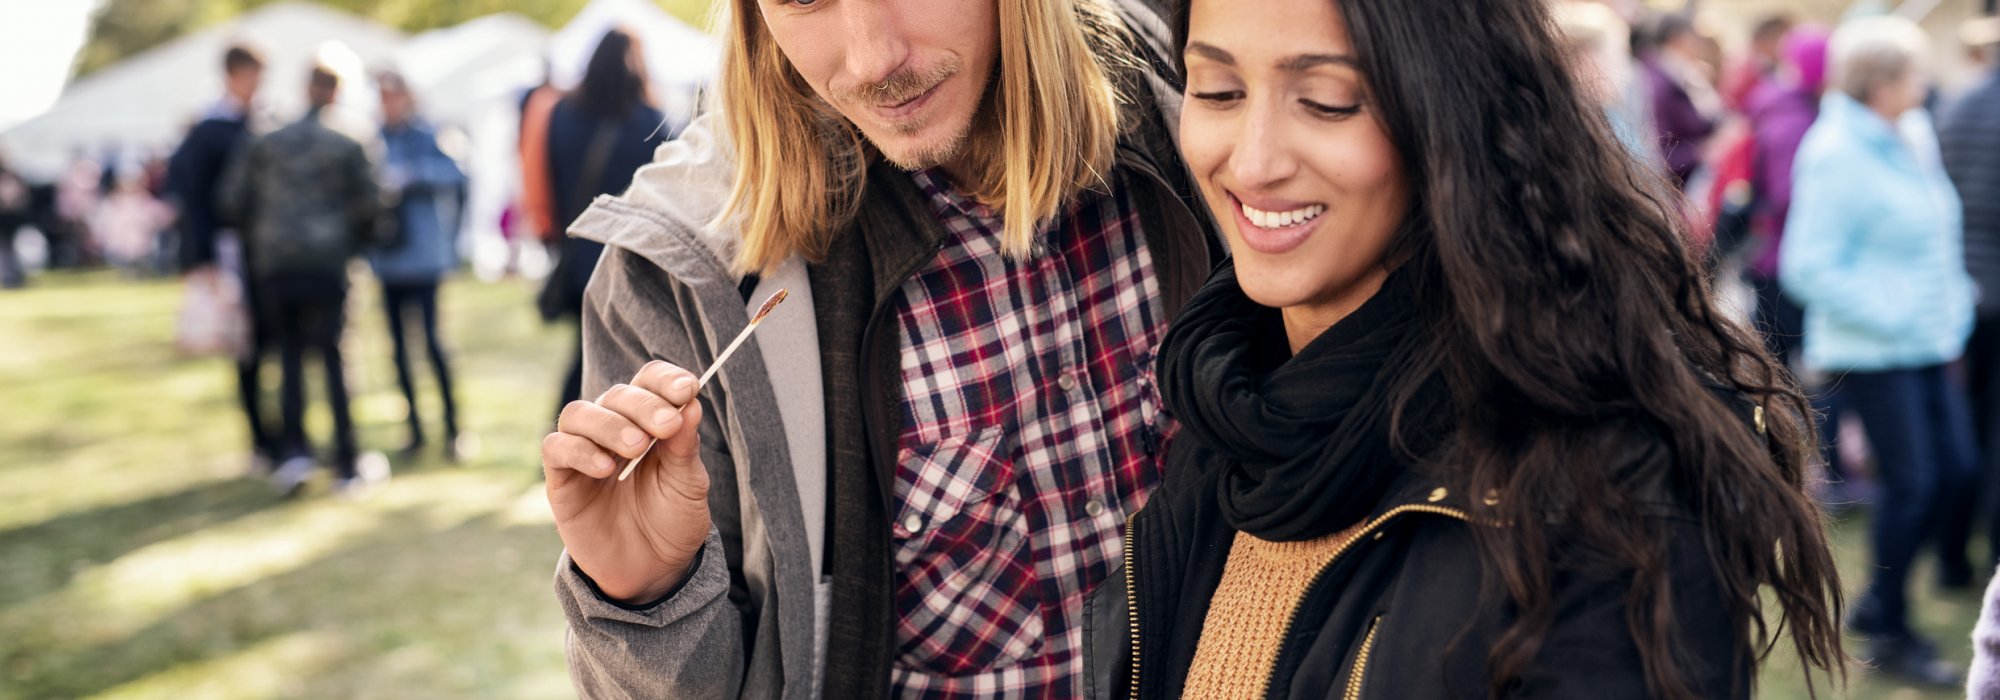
{"x": 1281, "y": 219}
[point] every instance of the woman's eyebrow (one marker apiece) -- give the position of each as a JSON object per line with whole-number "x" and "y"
{"x": 1294, "y": 64}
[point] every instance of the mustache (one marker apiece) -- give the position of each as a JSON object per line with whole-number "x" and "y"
{"x": 903, "y": 85}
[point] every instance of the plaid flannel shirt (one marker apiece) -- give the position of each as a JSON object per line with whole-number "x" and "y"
{"x": 1031, "y": 427}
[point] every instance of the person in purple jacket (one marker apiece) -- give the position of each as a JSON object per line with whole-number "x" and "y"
{"x": 1686, "y": 108}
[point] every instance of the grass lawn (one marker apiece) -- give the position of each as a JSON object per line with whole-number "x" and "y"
{"x": 136, "y": 562}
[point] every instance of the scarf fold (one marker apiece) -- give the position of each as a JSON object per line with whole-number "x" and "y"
{"x": 1304, "y": 440}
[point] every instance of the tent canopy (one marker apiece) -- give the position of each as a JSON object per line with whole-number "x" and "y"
{"x": 146, "y": 102}
{"x": 680, "y": 59}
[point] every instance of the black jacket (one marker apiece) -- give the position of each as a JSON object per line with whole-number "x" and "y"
{"x": 1969, "y": 135}
{"x": 1399, "y": 613}
{"x": 192, "y": 175}
{"x": 571, "y": 133}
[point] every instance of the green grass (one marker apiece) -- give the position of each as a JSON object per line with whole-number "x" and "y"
{"x": 1947, "y": 617}
{"x": 136, "y": 562}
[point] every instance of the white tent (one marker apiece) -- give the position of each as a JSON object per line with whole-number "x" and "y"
{"x": 456, "y": 70}
{"x": 680, "y": 59}
{"x": 145, "y": 103}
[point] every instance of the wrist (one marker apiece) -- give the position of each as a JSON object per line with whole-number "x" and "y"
{"x": 645, "y": 596}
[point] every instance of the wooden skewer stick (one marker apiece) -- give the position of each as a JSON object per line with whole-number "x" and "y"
{"x": 762, "y": 311}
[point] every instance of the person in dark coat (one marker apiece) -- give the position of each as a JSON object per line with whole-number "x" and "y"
{"x": 1460, "y": 418}
{"x": 598, "y": 136}
{"x": 1969, "y": 136}
{"x": 429, "y": 198}
{"x": 307, "y": 197}
{"x": 193, "y": 173}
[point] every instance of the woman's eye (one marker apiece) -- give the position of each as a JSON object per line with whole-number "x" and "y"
{"x": 1219, "y": 96}
{"x": 1325, "y": 110}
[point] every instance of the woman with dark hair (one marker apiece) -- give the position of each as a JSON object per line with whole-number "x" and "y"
{"x": 598, "y": 135}
{"x": 1461, "y": 418}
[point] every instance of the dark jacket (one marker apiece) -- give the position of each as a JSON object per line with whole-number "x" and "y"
{"x": 1399, "y": 613}
{"x": 192, "y": 174}
{"x": 1969, "y": 135}
{"x": 571, "y": 131}
{"x": 305, "y": 196}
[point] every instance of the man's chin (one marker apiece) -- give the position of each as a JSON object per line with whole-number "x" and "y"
{"x": 914, "y": 156}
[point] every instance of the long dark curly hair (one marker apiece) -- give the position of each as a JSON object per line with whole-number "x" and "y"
{"x": 1571, "y": 322}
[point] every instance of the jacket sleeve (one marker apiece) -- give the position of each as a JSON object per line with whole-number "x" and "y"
{"x": 690, "y": 643}
{"x": 364, "y": 197}
{"x": 1823, "y": 236}
{"x": 233, "y": 193}
{"x": 1589, "y": 651}
{"x": 197, "y": 220}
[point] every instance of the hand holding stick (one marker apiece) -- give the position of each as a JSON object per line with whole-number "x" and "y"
{"x": 762, "y": 311}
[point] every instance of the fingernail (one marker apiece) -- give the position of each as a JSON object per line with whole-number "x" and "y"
{"x": 661, "y": 417}
{"x": 683, "y": 384}
{"x": 634, "y": 437}
{"x": 604, "y": 464}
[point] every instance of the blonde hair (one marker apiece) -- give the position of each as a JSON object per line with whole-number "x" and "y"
{"x": 800, "y": 165}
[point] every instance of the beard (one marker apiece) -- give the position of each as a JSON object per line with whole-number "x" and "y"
{"x": 909, "y": 84}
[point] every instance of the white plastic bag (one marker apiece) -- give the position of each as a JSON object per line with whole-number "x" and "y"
{"x": 214, "y": 320}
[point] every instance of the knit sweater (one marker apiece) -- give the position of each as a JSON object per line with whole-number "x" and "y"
{"x": 1262, "y": 584}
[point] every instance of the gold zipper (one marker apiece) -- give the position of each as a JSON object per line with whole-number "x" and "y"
{"x": 1292, "y": 619}
{"x": 1355, "y": 677}
{"x": 1132, "y": 603}
{"x": 1354, "y": 684}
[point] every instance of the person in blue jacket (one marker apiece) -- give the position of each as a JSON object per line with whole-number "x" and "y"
{"x": 428, "y": 194}
{"x": 1874, "y": 251}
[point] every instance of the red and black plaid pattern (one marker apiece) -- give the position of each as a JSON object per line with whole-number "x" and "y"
{"x": 1031, "y": 428}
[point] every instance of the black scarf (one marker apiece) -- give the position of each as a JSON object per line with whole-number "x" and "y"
{"x": 1305, "y": 440}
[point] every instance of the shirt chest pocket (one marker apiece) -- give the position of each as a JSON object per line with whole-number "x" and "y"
{"x": 966, "y": 580}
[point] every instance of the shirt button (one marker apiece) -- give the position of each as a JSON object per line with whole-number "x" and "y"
{"x": 1067, "y": 382}
{"x": 914, "y": 523}
{"x": 1094, "y": 507}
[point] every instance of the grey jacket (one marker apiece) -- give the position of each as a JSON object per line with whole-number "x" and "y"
{"x": 752, "y": 619}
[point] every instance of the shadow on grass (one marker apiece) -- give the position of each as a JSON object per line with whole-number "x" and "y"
{"x": 44, "y": 557}
{"x": 404, "y": 590}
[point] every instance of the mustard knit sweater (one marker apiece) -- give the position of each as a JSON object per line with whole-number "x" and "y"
{"x": 1261, "y": 585}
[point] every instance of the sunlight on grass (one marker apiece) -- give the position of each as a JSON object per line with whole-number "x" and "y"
{"x": 142, "y": 586}
{"x": 136, "y": 561}
{"x": 273, "y": 668}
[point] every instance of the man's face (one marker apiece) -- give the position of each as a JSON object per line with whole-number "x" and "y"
{"x": 910, "y": 75}
{"x": 242, "y": 83}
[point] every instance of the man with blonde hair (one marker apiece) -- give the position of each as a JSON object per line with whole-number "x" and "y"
{"x": 912, "y": 478}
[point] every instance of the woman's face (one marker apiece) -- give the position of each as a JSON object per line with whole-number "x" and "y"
{"x": 1903, "y": 94}
{"x": 1289, "y": 153}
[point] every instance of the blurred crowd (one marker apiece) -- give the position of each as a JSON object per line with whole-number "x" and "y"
{"x": 1856, "y": 208}
{"x": 268, "y": 219}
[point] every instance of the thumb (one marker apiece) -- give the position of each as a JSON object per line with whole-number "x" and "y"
{"x": 680, "y": 454}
